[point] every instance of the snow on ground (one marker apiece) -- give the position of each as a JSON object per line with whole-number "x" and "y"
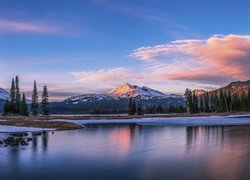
{"x": 10, "y": 129}
{"x": 178, "y": 121}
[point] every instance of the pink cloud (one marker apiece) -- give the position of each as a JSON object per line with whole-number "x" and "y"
{"x": 218, "y": 58}
{"x": 103, "y": 75}
{"x": 38, "y": 27}
{"x": 21, "y": 26}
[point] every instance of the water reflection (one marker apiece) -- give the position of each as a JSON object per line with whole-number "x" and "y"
{"x": 45, "y": 139}
{"x": 132, "y": 151}
{"x": 204, "y": 135}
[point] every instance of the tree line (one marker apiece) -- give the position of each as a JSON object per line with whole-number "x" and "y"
{"x": 217, "y": 101}
{"x": 17, "y": 105}
{"x": 137, "y": 108}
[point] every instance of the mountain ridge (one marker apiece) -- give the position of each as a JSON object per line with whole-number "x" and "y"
{"x": 123, "y": 91}
{"x": 236, "y": 87}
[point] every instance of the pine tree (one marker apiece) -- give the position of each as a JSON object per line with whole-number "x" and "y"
{"x": 139, "y": 109}
{"x": 45, "y": 101}
{"x": 17, "y": 96}
{"x": 23, "y": 107}
{"x": 34, "y": 104}
{"x": 12, "y": 97}
{"x": 222, "y": 101}
{"x": 189, "y": 102}
{"x": 6, "y": 108}
{"x": 130, "y": 106}
{"x": 195, "y": 103}
{"x": 212, "y": 103}
{"x": 201, "y": 104}
{"x": 206, "y": 103}
{"x": 133, "y": 108}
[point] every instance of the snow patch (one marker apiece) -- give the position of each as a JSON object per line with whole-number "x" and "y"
{"x": 178, "y": 121}
{"x": 10, "y": 129}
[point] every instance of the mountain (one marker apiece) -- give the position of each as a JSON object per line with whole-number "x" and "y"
{"x": 198, "y": 92}
{"x": 116, "y": 99}
{"x": 237, "y": 87}
{"x": 4, "y": 94}
{"x": 126, "y": 91}
{"x": 123, "y": 91}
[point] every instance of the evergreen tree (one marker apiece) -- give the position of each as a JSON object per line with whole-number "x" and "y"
{"x": 222, "y": 101}
{"x": 23, "y": 107}
{"x": 212, "y": 102}
{"x": 12, "y": 97}
{"x": 6, "y": 108}
{"x": 139, "y": 109}
{"x": 130, "y": 106}
{"x": 195, "y": 103}
{"x": 34, "y": 104}
{"x": 189, "y": 102}
{"x": 45, "y": 101}
{"x": 201, "y": 106}
{"x": 17, "y": 96}
{"x": 206, "y": 103}
{"x": 133, "y": 108}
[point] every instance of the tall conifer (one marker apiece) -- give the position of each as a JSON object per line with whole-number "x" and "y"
{"x": 34, "y": 104}
{"x": 45, "y": 101}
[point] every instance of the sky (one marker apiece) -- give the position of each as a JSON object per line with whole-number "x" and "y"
{"x": 92, "y": 46}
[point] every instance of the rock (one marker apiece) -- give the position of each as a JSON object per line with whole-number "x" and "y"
{"x": 1, "y": 142}
{"x": 21, "y": 134}
{"x": 29, "y": 139}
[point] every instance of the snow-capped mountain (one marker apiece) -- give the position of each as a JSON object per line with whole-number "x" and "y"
{"x": 4, "y": 94}
{"x": 88, "y": 98}
{"x": 126, "y": 90}
{"x": 123, "y": 91}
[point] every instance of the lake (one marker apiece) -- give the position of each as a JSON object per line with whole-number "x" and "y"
{"x": 129, "y": 151}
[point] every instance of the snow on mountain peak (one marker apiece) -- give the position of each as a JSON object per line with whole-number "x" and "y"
{"x": 4, "y": 94}
{"x": 126, "y": 90}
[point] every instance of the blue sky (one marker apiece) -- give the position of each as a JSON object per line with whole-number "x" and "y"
{"x": 85, "y": 46}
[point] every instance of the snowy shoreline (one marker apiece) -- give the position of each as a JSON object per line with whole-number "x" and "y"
{"x": 175, "y": 121}
{"x": 231, "y": 120}
{"x": 12, "y": 129}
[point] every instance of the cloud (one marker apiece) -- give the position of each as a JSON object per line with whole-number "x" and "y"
{"x": 103, "y": 75}
{"x": 37, "y": 27}
{"x": 214, "y": 60}
{"x": 128, "y": 9}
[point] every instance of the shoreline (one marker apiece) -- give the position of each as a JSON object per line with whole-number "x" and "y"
{"x": 47, "y": 122}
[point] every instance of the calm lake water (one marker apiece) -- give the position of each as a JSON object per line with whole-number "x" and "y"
{"x": 132, "y": 152}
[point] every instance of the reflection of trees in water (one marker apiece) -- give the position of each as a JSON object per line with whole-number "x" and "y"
{"x": 14, "y": 159}
{"x": 45, "y": 139}
{"x": 34, "y": 142}
{"x": 202, "y": 136}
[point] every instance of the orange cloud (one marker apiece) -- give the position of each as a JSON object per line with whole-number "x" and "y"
{"x": 219, "y": 58}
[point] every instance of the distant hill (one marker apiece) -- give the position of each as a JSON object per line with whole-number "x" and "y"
{"x": 237, "y": 87}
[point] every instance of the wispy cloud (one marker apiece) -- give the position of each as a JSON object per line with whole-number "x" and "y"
{"x": 36, "y": 27}
{"x": 103, "y": 75}
{"x": 128, "y": 9}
